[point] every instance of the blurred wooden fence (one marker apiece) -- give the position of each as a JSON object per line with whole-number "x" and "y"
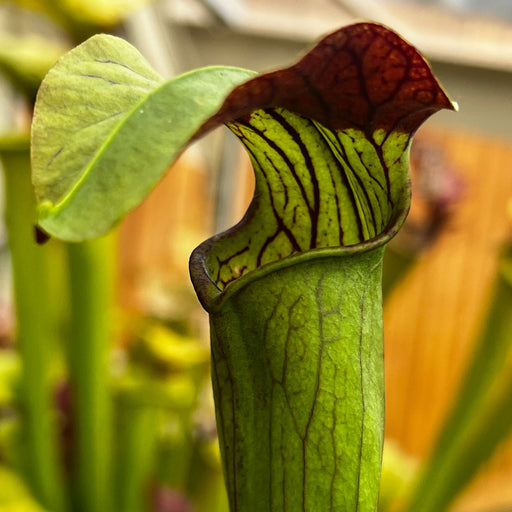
{"x": 433, "y": 317}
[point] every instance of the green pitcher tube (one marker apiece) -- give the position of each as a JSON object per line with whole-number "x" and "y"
{"x": 297, "y": 368}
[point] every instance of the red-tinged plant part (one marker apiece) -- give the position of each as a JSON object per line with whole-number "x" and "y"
{"x": 165, "y": 499}
{"x": 294, "y": 290}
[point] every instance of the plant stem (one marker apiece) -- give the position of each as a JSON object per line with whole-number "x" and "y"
{"x": 91, "y": 282}
{"x": 297, "y": 357}
{"x": 36, "y": 334}
{"x": 206, "y": 483}
{"x": 135, "y": 456}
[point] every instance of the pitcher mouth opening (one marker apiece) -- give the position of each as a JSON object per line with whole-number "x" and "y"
{"x": 212, "y": 296}
{"x": 329, "y": 140}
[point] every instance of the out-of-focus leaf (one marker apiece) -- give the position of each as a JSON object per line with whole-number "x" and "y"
{"x": 179, "y": 392}
{"x": 73, "y": 13}
{"x": 100, "y": 12}
{"x": 398, "y": 472}
{"x": 10, "y": 370}
{"x": 171, "y": 350}
{"x": 137, "y": 431}
{"x": 25, "y": 60}
{"x": 14, "y": 494}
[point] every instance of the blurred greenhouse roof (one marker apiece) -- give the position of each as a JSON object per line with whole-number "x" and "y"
{"x": 455, "y": 31}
